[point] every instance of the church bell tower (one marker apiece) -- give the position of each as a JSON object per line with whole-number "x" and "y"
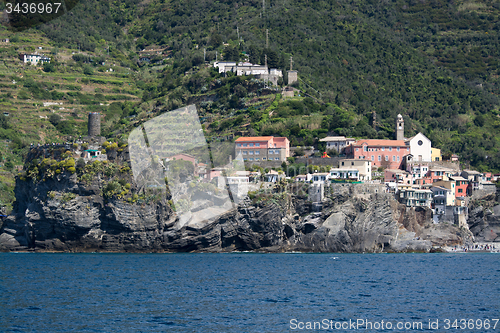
{"x": 400, "y": 128}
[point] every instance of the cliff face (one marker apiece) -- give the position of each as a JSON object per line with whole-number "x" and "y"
{"x": 484, "y": 219}
{"x": 62, "y": 214}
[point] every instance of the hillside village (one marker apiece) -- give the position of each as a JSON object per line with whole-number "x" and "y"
{"x": 410, "y": 168}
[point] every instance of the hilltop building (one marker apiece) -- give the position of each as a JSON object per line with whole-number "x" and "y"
{"x": 292, "y": 77}
{"x": 34, "y": 59}
{"x": 246, "y": 68}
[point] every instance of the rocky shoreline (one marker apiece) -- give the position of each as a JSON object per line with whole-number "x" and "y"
{"x": 353, "y": 218}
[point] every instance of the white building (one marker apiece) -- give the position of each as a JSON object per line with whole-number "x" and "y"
{"x": 344, "y": 173}
{"x": 34, "y": 59}
{"x": 337, "y": 142}
{"x": 420, "y": 148}
{"x": 320, "y": 177}
{"x": 442, "y": 197}
{"x": 364, "y": 167}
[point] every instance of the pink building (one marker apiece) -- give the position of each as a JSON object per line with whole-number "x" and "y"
{"x": 383, "y": 153}
{"x": 184, "y": 157}
{"x": 263, "y": 148}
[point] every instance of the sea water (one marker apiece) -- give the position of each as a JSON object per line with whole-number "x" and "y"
{"x": 247, "y": 292}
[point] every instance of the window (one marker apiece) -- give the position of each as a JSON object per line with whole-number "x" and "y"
{"x": 257, "y": 152}
{"x": 365, "y": 148}
{"x": 263, "y": 158}
{"x": 398, "y": 157}
{"x": 386, "y": 158}
{"x": 352, "y": 163}
{"x": 357, "y": 149}
{"x": 373, "y": 158}
{"x": 383, "y": 148}
{"x": 397, "y": 149}
{"x": 460, "y": 190}
{"x": 250, "y": 145}
{"x": 250, "y": 152}
{"x": 276, "y": 159}
{"x": 238, "y": 145}
{"x": 379, "y": 158}
{"x": 244, "y": 152}
{"x": 244, "y": 145}
{"x": 390, "y": 148}
{"x": 420, "y": 142}
{"x": 251, "y": 159}
{"x": 244, "y": 159}
{"x": 342, "y": 163}
{"x": 257, "y": 158}
{"x": 257, "y": 145}
{"x": 407, "y": 148}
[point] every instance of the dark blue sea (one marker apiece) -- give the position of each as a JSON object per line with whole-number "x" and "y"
{"x": 246, "y": 292}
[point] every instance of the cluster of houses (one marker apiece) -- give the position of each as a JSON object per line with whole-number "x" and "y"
{"x": 413, "y": 170}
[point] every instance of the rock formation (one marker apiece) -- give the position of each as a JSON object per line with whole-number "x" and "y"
{"x": 65, "y": 214}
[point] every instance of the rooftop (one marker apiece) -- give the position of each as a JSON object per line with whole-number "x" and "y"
{"x": 254, "y": 138}
{"x": 385, "y": 143}
{"x": 335, "y": 138}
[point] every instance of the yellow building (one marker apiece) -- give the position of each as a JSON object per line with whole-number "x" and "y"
{"x": 436, "y": 154}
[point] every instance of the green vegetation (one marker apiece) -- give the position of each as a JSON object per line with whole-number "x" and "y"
{"x": 435, "y": 62}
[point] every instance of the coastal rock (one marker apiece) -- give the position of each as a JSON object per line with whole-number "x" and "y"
{"x": 352, "y": 218}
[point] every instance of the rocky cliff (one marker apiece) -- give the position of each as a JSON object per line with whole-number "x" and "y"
{"x": 484, "y": 219}
{"x": 63, "y": 213}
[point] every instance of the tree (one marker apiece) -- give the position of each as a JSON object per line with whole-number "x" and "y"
{"x": 87, "y": 70}
{"x": 48, "y": 67}
{"x": 55, "y": 119}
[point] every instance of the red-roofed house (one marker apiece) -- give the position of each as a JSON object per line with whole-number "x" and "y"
{"x": 263, "y": 148}
{"x": 382, "y": 153}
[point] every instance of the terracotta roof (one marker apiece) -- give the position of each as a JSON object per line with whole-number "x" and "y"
{"x": 371, "y": 142}
{"x": 254, "y": 138}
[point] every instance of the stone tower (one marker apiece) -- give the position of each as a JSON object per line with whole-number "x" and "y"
{"x": 94, "y": 125}
{"x": 400, "y": 128}
{"x": 292, "y": 77}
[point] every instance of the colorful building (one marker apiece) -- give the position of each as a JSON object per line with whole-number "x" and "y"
{"x": 363, "y": 166}
{"x": 460, "y": 185}
{"x": 436, "y": 155}
{"x": 263, "y": 148}
{"x": 382, "y": 153}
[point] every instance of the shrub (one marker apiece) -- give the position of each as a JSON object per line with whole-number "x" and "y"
{"x": 68, "y": 197}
